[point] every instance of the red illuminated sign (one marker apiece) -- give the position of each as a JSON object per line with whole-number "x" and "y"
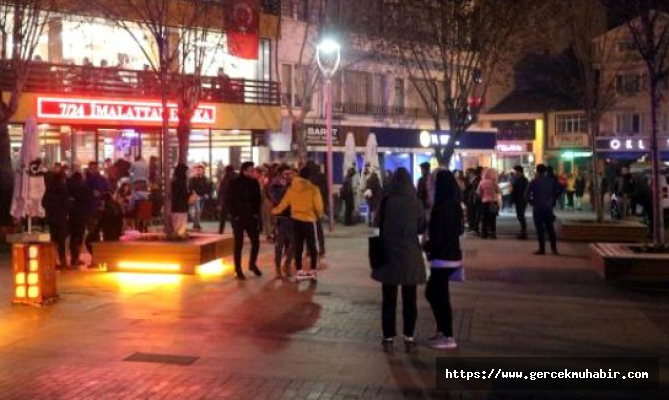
{"x": 111, "y": 110}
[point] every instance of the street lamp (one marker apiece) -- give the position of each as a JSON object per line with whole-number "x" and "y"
{"x": 328, "y": 57}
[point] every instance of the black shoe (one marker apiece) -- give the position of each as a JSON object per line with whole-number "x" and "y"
{"x": 241, "y": 276}
{"x": 522, "y": 236}
{"x": 540, "y": 252}
{"x": 410, "y": 346}
{"x": 255, "y": 270}
{"x": 555, "y": 252}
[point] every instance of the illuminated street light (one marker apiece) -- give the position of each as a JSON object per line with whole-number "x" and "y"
{"x": 328, "y": 57}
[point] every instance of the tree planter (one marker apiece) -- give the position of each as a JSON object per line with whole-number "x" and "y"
{"x": 157, "y": 254}
{"x": 606, "y": 232}
{"x": 629, "y": 263}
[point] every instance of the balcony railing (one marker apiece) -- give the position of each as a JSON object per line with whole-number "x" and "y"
{"x": 382, "y": 110}
{"x": 87, "y": 80}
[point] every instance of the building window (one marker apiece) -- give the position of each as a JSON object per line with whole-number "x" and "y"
{"x": 399, "y": 93}
{"x": 628, "y": 84}
{"x": 571, "y": 123}
{"x": 628, "y": 124}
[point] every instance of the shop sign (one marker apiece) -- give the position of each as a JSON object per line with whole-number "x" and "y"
{"x": 428, "y": 139}
{"x": 570, "y": 140}
{"x": 317, "y": 135}
{"x": 70, "y": 109}
{"x": 514, "y": 147}
{"x": 629, "y": 144}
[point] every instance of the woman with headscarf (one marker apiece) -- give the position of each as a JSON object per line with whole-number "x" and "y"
{"x": 445, "y": 256}
{"x": 401, "y": 219}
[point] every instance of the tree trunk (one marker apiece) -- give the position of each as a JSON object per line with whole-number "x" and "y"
{"x": 165, "y": 153}
{"x": 596, "y": 183}
{"x": 6, "y": 176}
{"x": 183, "y": 137}
{"x": 658, "y": 217}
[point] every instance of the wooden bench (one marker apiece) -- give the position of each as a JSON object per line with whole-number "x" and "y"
{"x": 132, "y": 254}
{"x": 617, "y": 262}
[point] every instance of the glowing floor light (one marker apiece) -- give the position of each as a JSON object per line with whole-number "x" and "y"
{"x": 148, "y": 266}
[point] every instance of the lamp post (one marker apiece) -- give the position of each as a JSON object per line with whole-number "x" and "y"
{"x": 330, "y": 49}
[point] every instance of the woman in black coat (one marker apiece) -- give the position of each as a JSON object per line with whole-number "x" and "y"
{"x": 56, "y": 203}
{"x": 443, "y": 251}
{"x": 401, "y": 220}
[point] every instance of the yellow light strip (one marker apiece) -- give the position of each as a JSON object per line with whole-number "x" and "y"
{"x": 148, "y": 266}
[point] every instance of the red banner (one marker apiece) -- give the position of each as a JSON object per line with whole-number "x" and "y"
{"x": 243, "y": 28}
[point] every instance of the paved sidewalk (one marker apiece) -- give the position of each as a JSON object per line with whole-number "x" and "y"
{"x": 270, "y": 339}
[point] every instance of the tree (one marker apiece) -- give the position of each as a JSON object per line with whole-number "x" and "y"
{"x": 649, "y": 28}
{"x": 177, "y": 38}
{"x": 588, "y": 68}
{"x": 451, "y": 50}
{"x": 22, "y": 23}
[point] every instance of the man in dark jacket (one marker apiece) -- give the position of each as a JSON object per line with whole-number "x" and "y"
{"x": 80, "y": 196}
{"x": 541, "y": 194}
{"x": 56, "y": 203}
{"x": 200, "y": 185}
{"x": 518, "y": 189}
{"x": 243, "y": 201}
{"x": 421, "y": 188}
{"x": 230, "y": 174}
{"x": 99, "y": 186}
{"x": 319, "y": 179}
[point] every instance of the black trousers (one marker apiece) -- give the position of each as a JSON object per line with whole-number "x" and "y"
{"x": 389, "y": 310}
{"x": 471, "y": 216}
{"x": 93, "y": 232}
{"x": 489, "y": 220}
{"x": 283, "y": 241}
{"x": 77, "y": 230}
{"x": 348, "y": 212}
{"x": 520, "y": 215}
{"x": 224, "y": 219}
{"x": 252, "y": 228}
{"x": 543, "y": 222}
{"x": 305, "y": 232}
{"x": 58, "y": 232}
{"x": 438, "y": 296}
{"x": 321, "y": 237}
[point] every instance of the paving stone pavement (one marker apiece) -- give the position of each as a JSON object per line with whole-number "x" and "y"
{"x": 271, "y": 339}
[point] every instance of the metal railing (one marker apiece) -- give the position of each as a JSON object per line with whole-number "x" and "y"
{"x": 382, "y": 110}
{"x": 88, "y": 80}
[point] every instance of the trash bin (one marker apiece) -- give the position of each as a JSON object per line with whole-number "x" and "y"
{"x": 34, "y": 269}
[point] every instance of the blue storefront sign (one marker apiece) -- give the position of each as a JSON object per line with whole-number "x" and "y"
{"x": 417, "y": 139}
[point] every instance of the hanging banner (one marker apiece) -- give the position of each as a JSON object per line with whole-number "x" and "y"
{"x": 242, "y": 24}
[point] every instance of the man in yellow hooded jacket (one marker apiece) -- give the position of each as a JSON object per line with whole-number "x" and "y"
{"x": 306, "y": 206}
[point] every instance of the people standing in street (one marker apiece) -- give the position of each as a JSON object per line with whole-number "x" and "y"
{"x": 579, "y": 191}
{"x": 180, "y": 196}
{"x": 243, "y": 201}
{"x": 373, "y": 196}
{"x": 624, "y": 189}
{"x": 422, "y": 190}
{"x": 401, "y": 220}
{"x": 443, "y": 251}
{"x": 201, "y": 186}
{"x": 306, "y": 207}
{"x": 488, "y": 191}
{"x": 56, "y": 203}
{"x": 518, "y": 190}
{"x": 81, "y": 198}
{"x": 348, "y": 196}
{"x": 223, "y": 185}
{"x": 99, "y": 187}
{"x": 284, "y": 225}
{"x": 541, "y": 194}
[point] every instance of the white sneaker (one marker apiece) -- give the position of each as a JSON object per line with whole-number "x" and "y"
{"x": 436, "y": 338}
{"x": 302, "y": 275}
{"x": 445, "y": 343}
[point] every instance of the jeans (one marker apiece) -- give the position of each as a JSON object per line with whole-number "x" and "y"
{"x": 489, "y": 220}
{"x": 438, "y": 296}
{"x": 305, "y": 231}
{"x": 321, "y": 237}
{"x": 197, "y": 212}
{"x": 520, "y": 215}
{"x": 389, "y": 310}
{"x": 570, "y": 199}
{"x": 251, "y": 226}
{"x": 543, "y": 222}
{"x": 282, "y": 244}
